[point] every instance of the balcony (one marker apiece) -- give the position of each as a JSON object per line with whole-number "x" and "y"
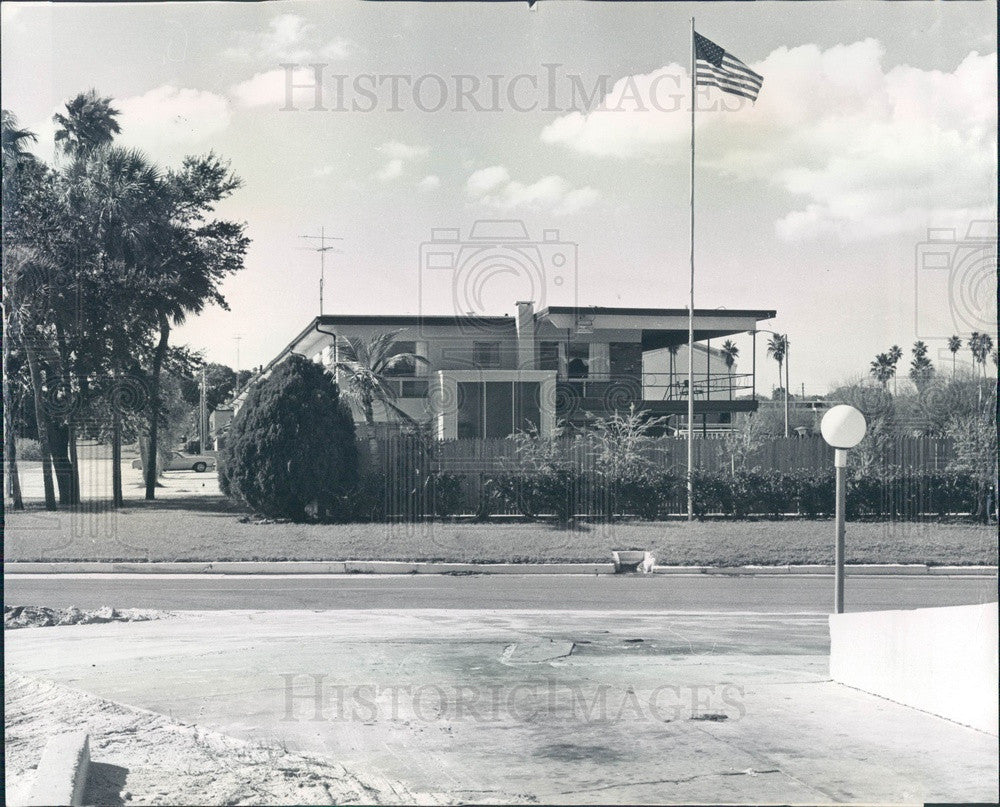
{"x": 659, "y": 393}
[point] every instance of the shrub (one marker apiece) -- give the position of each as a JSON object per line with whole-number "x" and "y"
{"x": 447, "y": 494}
{"x": 291, "y": 451}
{"x": 27, "y": 449}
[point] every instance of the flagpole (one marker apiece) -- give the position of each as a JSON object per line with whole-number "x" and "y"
{"x": 690, "y": 390}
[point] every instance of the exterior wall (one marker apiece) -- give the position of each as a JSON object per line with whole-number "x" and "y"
{"x": 939, "y": 660}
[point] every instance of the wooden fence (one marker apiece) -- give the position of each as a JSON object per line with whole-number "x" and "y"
{"x": 665, "y": 453}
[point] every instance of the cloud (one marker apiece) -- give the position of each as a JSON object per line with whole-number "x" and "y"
{"x": 391, "y": 170}
{"x": 164, "y": 122}
{"x": 324, "y": 171}
{"x": 401, "y": 151}
{"x": 868, "y": 150}
{"x": 172, "y": 115}
{"x": 287, "y": 38}
{"x": 493, "y": 187}
{"x": 429, "y": 183}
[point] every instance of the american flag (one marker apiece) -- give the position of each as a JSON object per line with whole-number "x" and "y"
{"x": 716, "y": 68}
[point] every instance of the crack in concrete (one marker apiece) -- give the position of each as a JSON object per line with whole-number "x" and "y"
{"x": 680, "y": 781}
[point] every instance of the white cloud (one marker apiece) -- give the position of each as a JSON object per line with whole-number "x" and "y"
{"x": 486, "y": 179}
{"x": 401, "y": 151}
{"x": 391, "y": 170}
{"x": 870, "y": 150}
{"x": 429, "y": 183}
{"x": 493, "y": 187}
{"x": 269, "y": 89}
{"x": 172, "y": 115}
{"x": 164, "y": 122}
{"x": 287, "y": 38}
{"x": 324, "y": 171}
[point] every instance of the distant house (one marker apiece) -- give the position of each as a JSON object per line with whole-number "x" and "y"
{"x": 218, "y": 426}
{"x": 492, "y": 376}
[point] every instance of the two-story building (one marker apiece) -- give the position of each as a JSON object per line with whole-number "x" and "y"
{"x": 492, "y": 376}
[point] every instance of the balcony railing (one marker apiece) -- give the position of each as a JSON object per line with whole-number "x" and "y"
{"x": 660, "y": 386}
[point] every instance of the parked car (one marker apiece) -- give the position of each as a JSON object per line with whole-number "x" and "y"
{"x": 179, "y": 461}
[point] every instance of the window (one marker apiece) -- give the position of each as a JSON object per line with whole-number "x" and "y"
{"x": 625, "y": 359}
{"x": 486, "y": 355}
{"x": 577, "y": 359}
{"x": 404, "y": 366}
{"x": 497, "y": 408}
{"x": 548, "y": 356}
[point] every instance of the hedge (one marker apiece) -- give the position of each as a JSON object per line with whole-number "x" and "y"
{"x": 566, "y": 494}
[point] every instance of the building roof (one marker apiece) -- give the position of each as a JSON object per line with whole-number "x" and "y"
{"x": 656, "y": 312}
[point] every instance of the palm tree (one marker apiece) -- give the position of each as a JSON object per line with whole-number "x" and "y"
{"x": 672, "y": 350}
{"x": 882, "y": 369}
{"x": 921, "y": 368}
{"x": 367, "y": 365}
{"x": 954, "y": 345}
{"x": 980, "y": 344}
{"x": 895, "y": 354}
{"x": 14, "y": 140}
{"x": 730, "y": 352}
{"x": 90, "y": 122}
{"x": 777, "y": 347}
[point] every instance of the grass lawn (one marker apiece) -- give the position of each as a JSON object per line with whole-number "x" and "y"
{"x": 209, "y": 529}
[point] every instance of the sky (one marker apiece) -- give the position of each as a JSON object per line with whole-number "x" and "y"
{"x": 842, "y": 198}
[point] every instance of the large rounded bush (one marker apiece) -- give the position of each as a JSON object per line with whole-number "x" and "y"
{"x": 291, "y": 451}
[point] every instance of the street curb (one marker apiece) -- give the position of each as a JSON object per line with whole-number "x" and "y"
{"x": 308, "y": 567}
{"x": 61, "y": 776}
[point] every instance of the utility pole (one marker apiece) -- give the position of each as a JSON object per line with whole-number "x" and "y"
{"x": 203, "y": 414}
{"x": 322, "y": 249}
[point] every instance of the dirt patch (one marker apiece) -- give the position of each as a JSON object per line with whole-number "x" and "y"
{"x": 36, "y": 616}
{"x": 140, "y": 757}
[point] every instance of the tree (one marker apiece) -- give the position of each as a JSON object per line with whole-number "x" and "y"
{"x": 15, "y": 154}
{"x": 730, "y": 353}
{"x": 367, "y": 365}
{"x": 672, "y": 350}
{"x": 777, "y": 347}
{"x": 895, "y": 354}
{"x": 954, "y": 345}
{"x": 291, "y": 449}
{"x": 980, "y": 345}
{"x": 921, "y": 369}
{"x": 90, "y": 123}
{"x": 882, "y": 369}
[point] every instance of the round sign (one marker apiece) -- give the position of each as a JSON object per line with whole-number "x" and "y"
{"x": 843, "y": 426}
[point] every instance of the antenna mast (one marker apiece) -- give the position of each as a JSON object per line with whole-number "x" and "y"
{"x": 322, "y": 249}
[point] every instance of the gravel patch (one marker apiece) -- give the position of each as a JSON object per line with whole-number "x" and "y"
{"x": 36, "y": 616}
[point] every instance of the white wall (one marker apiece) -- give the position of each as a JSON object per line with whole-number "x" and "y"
{"x": 940, "y": 660}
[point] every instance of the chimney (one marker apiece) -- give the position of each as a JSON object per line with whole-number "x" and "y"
{"x": 526, "y": 349}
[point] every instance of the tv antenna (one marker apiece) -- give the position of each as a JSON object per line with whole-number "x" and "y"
{"x": 322, "y": 249}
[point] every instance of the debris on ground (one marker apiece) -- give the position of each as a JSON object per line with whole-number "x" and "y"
{"x": 36, "y": 616}
{"x": 146, "y": 758}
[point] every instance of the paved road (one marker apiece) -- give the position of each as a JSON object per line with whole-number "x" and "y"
{"x": 773, "y": 594}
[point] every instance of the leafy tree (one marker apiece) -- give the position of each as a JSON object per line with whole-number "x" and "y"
{"x": 367, "y": 365}
{"x": 291, "y": 449}
{"x": 975, "y": 439}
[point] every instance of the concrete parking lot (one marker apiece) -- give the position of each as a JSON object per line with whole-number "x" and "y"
{"x": 558, "y": 706}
